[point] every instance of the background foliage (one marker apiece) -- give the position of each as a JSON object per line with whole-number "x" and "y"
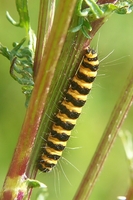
{"x": 115, "y": 35}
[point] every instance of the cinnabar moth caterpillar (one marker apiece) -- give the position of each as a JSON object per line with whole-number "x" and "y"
{"x": 69, "y": 110}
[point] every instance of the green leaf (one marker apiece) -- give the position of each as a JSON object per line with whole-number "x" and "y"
{"x": 85, "y": 32}
{"x": 94, "y": 8}
{"x": 34, "y": 183}
{"x": 24, "y": 19}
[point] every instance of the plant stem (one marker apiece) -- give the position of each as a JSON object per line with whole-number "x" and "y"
{"x": 129, "y": 195}
{"x": 117, "y": 117}
{"x": 46, "y": 17}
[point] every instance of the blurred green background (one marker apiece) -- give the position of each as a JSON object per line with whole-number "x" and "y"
{"x": 115, "y": 35}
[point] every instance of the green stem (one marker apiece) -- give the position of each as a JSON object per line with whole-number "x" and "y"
{"x": 117, "y": 117}
{"x": 46, "y": 17}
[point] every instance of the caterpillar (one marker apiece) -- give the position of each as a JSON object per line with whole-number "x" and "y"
{"x": 69, "y": 110}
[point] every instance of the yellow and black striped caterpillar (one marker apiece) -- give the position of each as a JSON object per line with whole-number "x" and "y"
{"x": 69, "y": 110}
